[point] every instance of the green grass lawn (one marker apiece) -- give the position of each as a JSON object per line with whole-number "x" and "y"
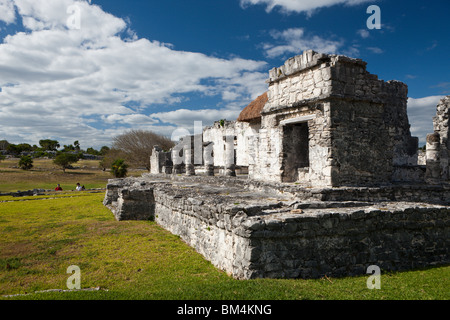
{"x": 46, "y": 175}
{"x": 139, "y": 260}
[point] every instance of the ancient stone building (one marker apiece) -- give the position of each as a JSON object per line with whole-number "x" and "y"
{"x": 328, "y": 122}
{"x": 324, "y": 121}
{"x": 438, "y": 145}
{"x": 317, "y": 176}
{"x": 160, "y": 161}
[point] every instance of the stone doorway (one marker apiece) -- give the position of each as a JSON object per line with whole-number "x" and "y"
{"x": 295, "y": 150}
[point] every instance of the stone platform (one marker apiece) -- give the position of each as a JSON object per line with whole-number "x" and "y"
{"x": 254, "y": 229}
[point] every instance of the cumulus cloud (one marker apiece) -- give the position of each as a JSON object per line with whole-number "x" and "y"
{"x": 189, "y": 121}
{"x": 7, "y": 11}
{"x": 420, "y": 113}
{"x": 95, "y": 79}
{"x": 307, "y": 6}
{"x": 185, "y": 118}
{"x": 295, "y": 40}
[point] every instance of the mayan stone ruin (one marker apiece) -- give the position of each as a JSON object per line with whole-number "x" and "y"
{"x": 318, "y": 176}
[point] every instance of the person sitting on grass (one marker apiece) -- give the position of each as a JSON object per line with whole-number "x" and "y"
{"x": 79, "y": 188}
{"x": 58, "y": 188}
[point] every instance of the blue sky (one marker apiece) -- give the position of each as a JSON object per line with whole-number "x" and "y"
{"x": 161, "y": 65}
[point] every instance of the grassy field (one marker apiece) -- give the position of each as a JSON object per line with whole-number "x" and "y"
{"x": 41, "y": 238}
{"x": 46, "y": 175}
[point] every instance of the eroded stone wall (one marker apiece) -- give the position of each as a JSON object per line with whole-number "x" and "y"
{"x": 217, "y": 133}
{"x": 358, "y": 125}
{"x": 438, "y": 144}
{"x": 160, "y": 160}
{"x": 256, "y": 231}
{"x": 338, "y": 242}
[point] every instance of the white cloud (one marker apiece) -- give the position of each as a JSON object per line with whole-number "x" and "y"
{"x": 133, "y": 119}
{"x": 375, "y": 50}
{"x": 295, "y": 40}
{"x": 7, "y": 11}
{"x": 420, "y": 113}
{"x": 308, "y": 6}
{"x": 444, "y": 87}
{"x": 185, "y": 118}
{"x": 92, "y": 82}
{"x": 364, "y": 33}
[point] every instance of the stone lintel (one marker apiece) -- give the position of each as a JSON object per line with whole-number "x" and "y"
{"x": 298, "y": 119}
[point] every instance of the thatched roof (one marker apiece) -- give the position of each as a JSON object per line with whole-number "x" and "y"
{"x": 253, "y": 110}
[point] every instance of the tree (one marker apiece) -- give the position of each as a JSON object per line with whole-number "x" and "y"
{"x": 64, "y": 160}
{"x": 137, "y": 146}
{"x": 92, "y": 151}
{"x": 16, "y": 149}
{"x": 104, "y": 150}
{"x": 110, "y": 157}
{"x": 4, "y": 144}
{"x": 77, "y": 146}
{"x": 119, "y": 168}
{"x": 49, "y": 145}
{"x": 25, "y": 147}
{"x": 26, "y": 163}
{"x": 68, "y": 148}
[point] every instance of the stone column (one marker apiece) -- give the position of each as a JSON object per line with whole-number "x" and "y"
{"x": 230, "y": 166}
{"x": 208, "y": 156}
{"x": 154, "y": 160}
{"x": 188, "y": 157}
{"x": 433, "y": 173}
{"x": 442, "y": 127}
{"x": 177, "y": 160}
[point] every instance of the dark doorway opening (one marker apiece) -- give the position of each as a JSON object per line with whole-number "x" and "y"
{"x": 295, "y": 150}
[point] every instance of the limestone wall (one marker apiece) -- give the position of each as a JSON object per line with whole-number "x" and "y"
{"x": 438, "y": 144}
{"x": 265, "y": 155}
{"x": 217, "y": 134}
{"x": 159, "y": 159}
{"x": 358, "y": 125}
{"x": 129, "y": 199}
{"x": 342, "y": 243}
{"x": 279, "y": 239}
{"x": 270, "y": 148}
{"x": 302, "y": 77}
{"x": 209, "y": 230}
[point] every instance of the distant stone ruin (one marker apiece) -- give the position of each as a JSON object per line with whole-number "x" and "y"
{"x": 438, "y": 145}
{"x": 318, "y": 176}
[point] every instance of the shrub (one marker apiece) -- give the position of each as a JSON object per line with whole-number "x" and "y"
{"x": 26, "y": 163}
{"x": 119, "y": 168}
